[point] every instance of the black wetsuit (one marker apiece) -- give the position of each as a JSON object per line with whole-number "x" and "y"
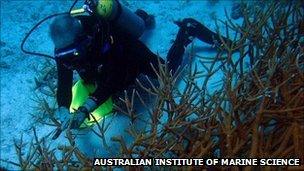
{"x": 115, "y": 66}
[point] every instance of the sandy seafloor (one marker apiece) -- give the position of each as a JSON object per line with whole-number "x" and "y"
{"x": 17, "y": 69}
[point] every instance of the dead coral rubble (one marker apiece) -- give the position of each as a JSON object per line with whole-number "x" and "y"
{"x": 258, "y": 113}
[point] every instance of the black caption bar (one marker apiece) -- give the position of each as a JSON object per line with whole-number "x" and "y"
{"x": 197, "y": 162}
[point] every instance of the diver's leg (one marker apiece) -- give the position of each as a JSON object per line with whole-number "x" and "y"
{"x": 176, "y": 52}
{"x": 175, "y": 56}
{"x": 196, "y": 29}
{"x": 189, "y": 29}
{"x": 148, "y": 18}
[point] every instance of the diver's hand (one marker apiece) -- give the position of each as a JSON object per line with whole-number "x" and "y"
{"x": 82, "y": 113}
{"x": 74, "y": 120}
{"x": 78, "y": 117}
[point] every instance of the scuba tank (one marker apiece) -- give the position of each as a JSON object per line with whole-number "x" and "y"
{"x": 110, "y": 10}
{"x": 113, "y": 11}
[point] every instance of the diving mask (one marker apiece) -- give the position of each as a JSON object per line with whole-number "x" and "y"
{"x": 72, "y": 55}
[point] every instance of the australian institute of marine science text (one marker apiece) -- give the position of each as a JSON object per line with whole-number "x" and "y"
{"x": 197, "y": 162}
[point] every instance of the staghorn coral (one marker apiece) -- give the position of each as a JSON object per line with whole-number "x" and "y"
{"x": 45, "y": 93}
{"x": 258, "y": 113}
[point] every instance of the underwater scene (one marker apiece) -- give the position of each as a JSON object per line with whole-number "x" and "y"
{"x": 167, "y": 79}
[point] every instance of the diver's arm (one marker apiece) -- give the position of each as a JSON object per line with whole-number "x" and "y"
{"x": 64, "y": 89}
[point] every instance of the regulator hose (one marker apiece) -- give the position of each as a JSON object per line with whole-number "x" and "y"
{"x": 35, "y": 26}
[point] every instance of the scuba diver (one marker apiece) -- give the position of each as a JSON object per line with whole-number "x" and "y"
{"x": 109, "y": 57}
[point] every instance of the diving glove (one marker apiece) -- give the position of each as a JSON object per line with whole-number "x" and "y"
{"x": 82, "y": 113}
{"x": 78, "y": 117}
{"x": 75, "y": 120}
